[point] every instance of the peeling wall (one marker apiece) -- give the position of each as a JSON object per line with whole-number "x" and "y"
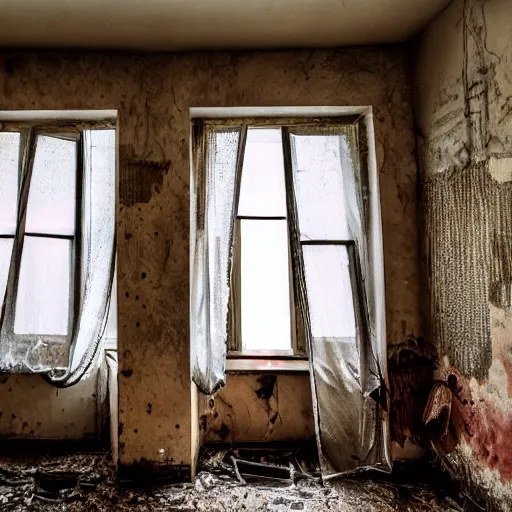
{"x": 463, "y": 104}
{"x": 261, "y": 407}
{"x": 153, "y": 94}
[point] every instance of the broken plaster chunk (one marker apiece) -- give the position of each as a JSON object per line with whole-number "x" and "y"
{"x": 501, "y": 169}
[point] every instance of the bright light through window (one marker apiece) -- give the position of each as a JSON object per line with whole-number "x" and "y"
{"x": 265, "y": 285}
{"x": 264, "y": 251}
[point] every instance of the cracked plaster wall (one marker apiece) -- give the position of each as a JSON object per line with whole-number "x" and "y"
{"x": 153, "y": 93}
{"x": 463, "y": 106}
{"x": 261, "y": 407}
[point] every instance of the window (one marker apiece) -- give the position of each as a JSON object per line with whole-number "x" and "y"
{"x": 286, "y": 253}
{"x": 44, "y": 278}
{"x": 262, "y": 298}
{"x": 263, "y": 294}
{"x": 56, "y": 216}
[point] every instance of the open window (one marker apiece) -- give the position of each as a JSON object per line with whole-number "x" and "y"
{"x": 57, "y": 223}
{"x": 286, "y": 261}
{"x": 262, "y": 304}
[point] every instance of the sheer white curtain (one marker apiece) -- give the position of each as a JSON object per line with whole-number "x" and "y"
{"x": 98, "y": 251}
{"x": 338, "y": 254}
{"x": 215, "y": 185}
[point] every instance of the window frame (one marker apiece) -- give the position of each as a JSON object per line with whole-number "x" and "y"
{"x": 29, "y": 131}
{"x": 299, "y": 346}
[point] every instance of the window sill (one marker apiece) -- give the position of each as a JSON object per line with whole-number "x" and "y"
{"x": 260, "y": 365}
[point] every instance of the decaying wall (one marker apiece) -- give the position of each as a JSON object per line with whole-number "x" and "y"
{"x": 463, "y": 108}
{"x": 261, "y": 408}
{"x": 153, "y": 94}
{"x": 33, "y": 409}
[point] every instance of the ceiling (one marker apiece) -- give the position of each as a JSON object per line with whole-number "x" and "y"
{"x": 210, "y": 24}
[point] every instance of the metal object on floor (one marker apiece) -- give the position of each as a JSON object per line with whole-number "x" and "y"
{"x": 247, "y": 471}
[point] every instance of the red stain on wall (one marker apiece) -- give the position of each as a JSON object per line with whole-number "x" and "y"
{"x": 491, "y": 438}
{"x": 486, "y": 427}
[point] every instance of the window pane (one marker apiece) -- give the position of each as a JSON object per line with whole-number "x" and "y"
{"x": 329, "y": 290}
{"x": 42, "y": 305}
{"x": 52, "y": 196}
{"x": 262, "y": 191}
{"x": 5, "y": 261}
{"x": 9, "y": 155}
{"x": 265, "y": 288}
{"x": 319, "y": 186}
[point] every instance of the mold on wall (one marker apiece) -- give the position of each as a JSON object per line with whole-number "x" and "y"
{"x": 463, "y": 102}
{"x": 153, "y": 94}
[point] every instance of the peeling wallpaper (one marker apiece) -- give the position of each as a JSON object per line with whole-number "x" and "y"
{"x": 153, "y": 94}
{"x": 463, "y": 104}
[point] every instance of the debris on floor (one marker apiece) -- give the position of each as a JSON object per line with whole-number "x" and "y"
{"x": 86, "y": 482}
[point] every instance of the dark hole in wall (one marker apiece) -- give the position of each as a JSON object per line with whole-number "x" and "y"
{"x": 223, "y": 432}
{"x": 266, "y": 389}
{"x": 411, "y": 372}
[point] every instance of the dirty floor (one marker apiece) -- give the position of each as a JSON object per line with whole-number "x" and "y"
{"x": 86, "y": 482}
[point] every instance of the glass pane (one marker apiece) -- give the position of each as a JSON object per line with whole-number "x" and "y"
{"x": 9, "y": 155}
{"x": 5, "y": 261}
{"x": 265, "y": 288}
{"x": 52, "y": 196}
{"x": 42, "y": 305}
{"x": 262, "y": 192}
{"x": 329, "y": 288}
{"x": 319, "y": 186}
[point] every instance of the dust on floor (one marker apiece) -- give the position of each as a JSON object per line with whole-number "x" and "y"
{"x": 86, "y": 482}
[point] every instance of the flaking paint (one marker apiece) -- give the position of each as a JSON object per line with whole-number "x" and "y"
{"x": 463, "y": 108}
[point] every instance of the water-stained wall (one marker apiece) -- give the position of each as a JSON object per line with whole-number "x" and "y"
{"x": 261, "y": 408}
{"x": 153, "y": 94}
{"x": 463, "y": 108}
{"x": 33, "y": 409}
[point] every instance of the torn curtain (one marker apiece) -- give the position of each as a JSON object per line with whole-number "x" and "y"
{"x": 337, "y": 263}
{"x": 66, "y": 357}
{"x": 335, "y": 225}
{"x": 215, "y": 185}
